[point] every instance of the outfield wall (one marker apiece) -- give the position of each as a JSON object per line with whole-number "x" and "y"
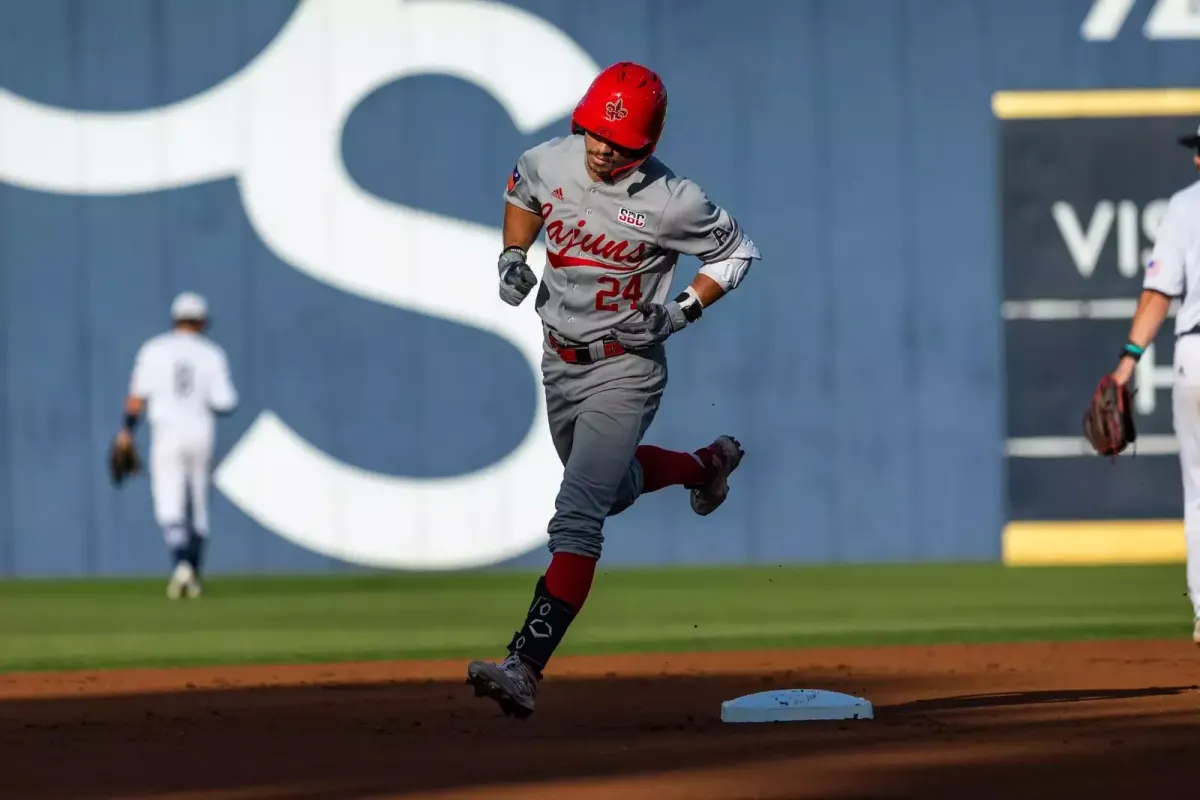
{"x": 297, "y": 164}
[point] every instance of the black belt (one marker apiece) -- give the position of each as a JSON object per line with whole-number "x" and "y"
{"x": 588, "y": 354}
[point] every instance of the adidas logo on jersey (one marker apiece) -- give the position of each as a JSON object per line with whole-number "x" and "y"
{"x": 558, "y": 195}
{"x": 635, "y": 218}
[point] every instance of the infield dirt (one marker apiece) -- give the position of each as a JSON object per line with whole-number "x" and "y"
{"x": 1097, "y": 719}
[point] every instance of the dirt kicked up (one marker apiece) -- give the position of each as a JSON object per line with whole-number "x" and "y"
{"x": 1094, "y": 720}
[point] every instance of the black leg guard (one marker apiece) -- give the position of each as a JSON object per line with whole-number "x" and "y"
{"x": 196, "y": 544}
{"x": 544, "y": 628}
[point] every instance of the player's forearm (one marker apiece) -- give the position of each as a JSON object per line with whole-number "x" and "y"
{"x": 134, "y": 406}
{"x": 718, "y": 278}
{"x": 708, "y": 290}
{"x": 521, "y": 227}
{"x": 1151, "y": 310}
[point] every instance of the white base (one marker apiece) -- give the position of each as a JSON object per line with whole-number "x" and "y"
{"x": 792, "y": 705}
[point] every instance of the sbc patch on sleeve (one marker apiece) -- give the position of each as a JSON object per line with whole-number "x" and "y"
{"x": 514, "y": 179}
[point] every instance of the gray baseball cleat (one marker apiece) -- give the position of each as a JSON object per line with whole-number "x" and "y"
{"x": 511, "y": 683}
{"x": 727, "y": 454}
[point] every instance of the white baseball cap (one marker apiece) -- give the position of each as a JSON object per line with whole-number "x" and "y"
{"x": 189, "y": 306}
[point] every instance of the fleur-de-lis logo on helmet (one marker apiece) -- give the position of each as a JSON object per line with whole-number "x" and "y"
{"x": 615, "y": 110}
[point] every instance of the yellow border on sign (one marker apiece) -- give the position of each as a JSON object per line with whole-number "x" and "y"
{"x": 1093, "y": 542}
{"x": 1096, "y": 103}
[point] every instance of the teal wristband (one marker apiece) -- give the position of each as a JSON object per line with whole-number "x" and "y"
{"x": 1134, "y": 351}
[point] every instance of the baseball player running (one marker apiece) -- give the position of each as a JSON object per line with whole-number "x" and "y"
{"x": 616, "y": 221}
{"x": 180, "y": 378}
{"x": 1173, "y": 271}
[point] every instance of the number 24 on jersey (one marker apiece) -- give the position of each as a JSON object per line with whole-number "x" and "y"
{"x": 611, "y": 289}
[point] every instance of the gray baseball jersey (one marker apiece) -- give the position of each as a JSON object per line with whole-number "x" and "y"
{"x": 609, "y": 247}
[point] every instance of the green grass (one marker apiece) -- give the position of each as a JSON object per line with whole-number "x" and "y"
{"x": 74, "y": 625}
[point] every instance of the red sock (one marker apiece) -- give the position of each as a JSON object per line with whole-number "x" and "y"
{"x": 569, "y": 578}
{"x": 662, "y": 468}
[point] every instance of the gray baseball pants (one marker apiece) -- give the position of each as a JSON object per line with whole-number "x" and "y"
{"x": 598, "y": 414}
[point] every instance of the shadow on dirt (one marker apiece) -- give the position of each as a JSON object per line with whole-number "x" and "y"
{"x": 397, "y": 739}
{"x": 1037, "y": 698}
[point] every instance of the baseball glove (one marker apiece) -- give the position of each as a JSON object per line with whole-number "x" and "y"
{"x": 123, "y": 461}
{"x": 1108, "y": 422}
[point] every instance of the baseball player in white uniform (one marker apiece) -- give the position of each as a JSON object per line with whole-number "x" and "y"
{"x": 1174, "y": 271}
{"x": 180, "y": 380}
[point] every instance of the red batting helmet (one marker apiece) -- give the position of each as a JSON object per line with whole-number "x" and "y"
{"x": 626, "y": 105}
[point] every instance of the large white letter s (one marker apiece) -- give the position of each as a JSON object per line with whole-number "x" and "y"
{"x": 272, "y": 129}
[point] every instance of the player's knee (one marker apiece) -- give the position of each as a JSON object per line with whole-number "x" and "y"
{"x": 631, "y": 489}
{"x": 587, "y": 542}
{"x": 589, "y": 548}
{"x": 175, "y": 534}
{"x": 623, "y": 502}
